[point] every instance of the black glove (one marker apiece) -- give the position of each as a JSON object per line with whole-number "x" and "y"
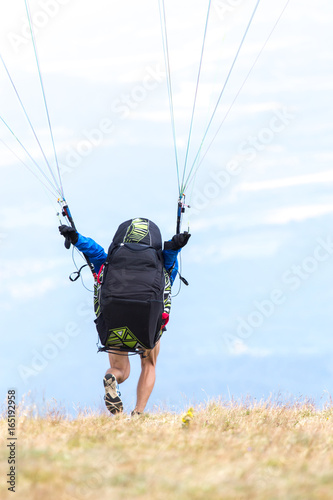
{"x": 70, "y": 235}
{"x": 178, "y": 241}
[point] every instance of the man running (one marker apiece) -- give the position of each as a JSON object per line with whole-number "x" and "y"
{"x": 136, "y": 234}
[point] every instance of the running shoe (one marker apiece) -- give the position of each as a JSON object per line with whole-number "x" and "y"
{"x": 112, "y": 394}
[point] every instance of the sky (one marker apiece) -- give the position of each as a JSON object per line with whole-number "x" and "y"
{"x": 256, "y": 318}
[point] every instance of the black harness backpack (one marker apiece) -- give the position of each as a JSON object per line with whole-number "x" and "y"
{"x": 130, "y": 296}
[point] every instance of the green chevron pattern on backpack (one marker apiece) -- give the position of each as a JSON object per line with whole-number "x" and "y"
{"x": 121, "y": 336}
{"x": 138, "y": 231}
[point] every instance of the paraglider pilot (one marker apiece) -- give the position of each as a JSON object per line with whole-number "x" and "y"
{"x": 132, "y": 300}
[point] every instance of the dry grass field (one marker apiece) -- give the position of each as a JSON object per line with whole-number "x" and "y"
{"x": 220, "y": 451}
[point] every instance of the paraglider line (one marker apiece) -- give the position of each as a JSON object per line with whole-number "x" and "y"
{"x": 169, "y": 85}
{"x": 29, "y": 155}
{"x": 223, "y": 88}
{"x": 27, "y": 117}
{"x": 43, "y": 91}
{"x": 238, "y": 92}
{"x": 27, "y": 166}
{"x": 196, "y": 94}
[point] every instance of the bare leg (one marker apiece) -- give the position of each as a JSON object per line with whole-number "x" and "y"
{"x": 119, "y": 367}
{"x": 118, "y": 372}
{"x": 147, "y": 378}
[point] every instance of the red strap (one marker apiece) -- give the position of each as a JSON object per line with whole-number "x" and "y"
{"x": 99, "y": 274}
{"x": 165, "y": 318}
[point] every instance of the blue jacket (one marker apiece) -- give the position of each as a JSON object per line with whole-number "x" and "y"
{"x": 98, "y": 256}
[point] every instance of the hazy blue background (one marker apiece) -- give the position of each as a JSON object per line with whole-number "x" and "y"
{"x": 257, "y": 317}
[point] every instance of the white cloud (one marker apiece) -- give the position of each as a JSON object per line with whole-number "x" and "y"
{"x": 25, "y": 216}
{"x": 234, "y": 248}
{"x": 317, "y": 178}
{"x": 12, "y": 153}
{"x": 323, "y": 156}
{"x": 258, "y": 245}
{"x": 29, "y": 278}
{"x": 239, "y": 348}
{"x": 297, "y": 213}
{"x": 25, "y": 291}
{"x": 26, "y": 267}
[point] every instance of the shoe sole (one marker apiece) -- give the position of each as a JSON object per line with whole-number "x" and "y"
{"x": 112, "y": 400}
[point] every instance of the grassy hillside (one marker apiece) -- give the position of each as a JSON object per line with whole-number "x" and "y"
{"x": 220, "y": 451}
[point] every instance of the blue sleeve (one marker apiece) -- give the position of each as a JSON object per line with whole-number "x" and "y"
{"x": 171, "y": 262}
{"x": 93, "y": 250}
